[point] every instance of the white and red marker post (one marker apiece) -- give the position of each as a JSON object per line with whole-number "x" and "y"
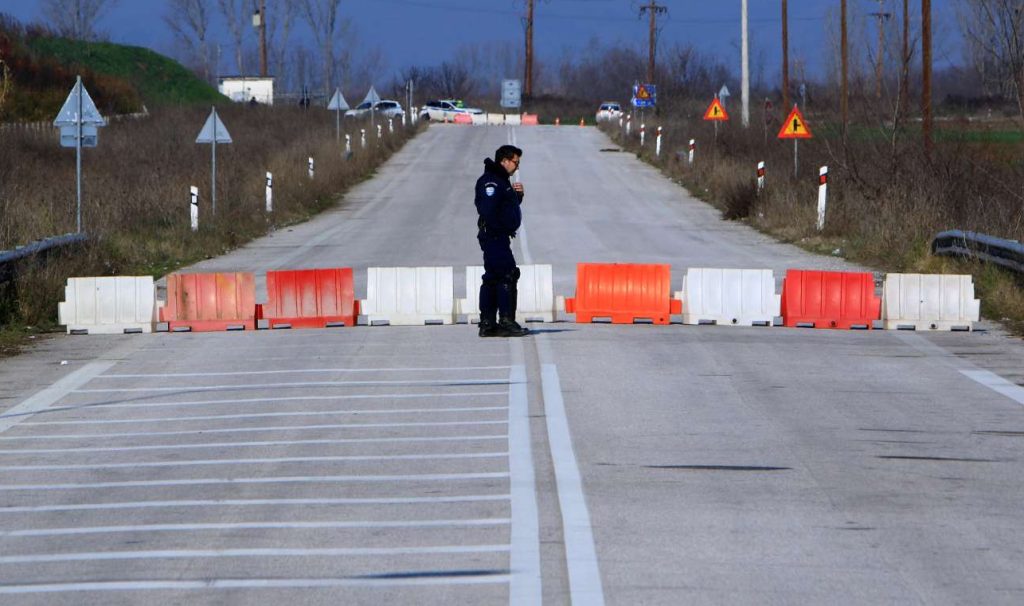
{"x": 311, "y": 169}
{"x": 693, "y": 150}
{"x": 629, "y": 125}
{"x": 760, "y": 176}
{"x": 822, "y": 195}
{"x": 657, "y": 143}
{"x": 643, "y": 131}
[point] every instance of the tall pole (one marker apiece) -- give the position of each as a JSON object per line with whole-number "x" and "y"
{"x": 882, "y": 17}
{"x": 652, "y": 9}
{"x": 844, "y": 99}
{"x": 926, "y": 83}
{"x": 528, "y": 79}
{"x": 745, "y": 60}
{"x": 78, "y": 155}
{"x": 905, "y": 75}
{"x": 785, "y": 58}
{"x": 263, "y": 38}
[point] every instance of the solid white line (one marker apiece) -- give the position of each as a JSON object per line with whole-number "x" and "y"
{"x": 300, "y": 370}
{"x": 252, "y": 386}
{"x": 257, "y": 443}
{"x": 43, "y": 399}
{"x": 254, "y": 502}
{"x": 275, "y": 400}
{"x": 93, "y": 556}
{"x": 426, "y": 477}
{"x": 996, "y": 384}
{"x": 252, "y": 584}
{"x": 79, "y": 530}
{"x": 259, "y": 415}
{"x": 524, "y": 560}
{"x": 133, "y": 434}
{"x": 261, "y": 461}
{"x": 580, "y": 552}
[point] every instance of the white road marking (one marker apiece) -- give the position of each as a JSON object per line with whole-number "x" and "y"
{"x": 525, "y": 532}
{"x": 356, "y": 524}
{"x": 261, "y": 461}
{"x": 252, "y": 584}
{"x": 258, "y": 443}
{"x": 92, "y": 556}
{"x": 426, "y": 477}
{"x": 997, "y": 384}
{"x": 293, "y": 371}
{"x": 275, "y": 400}
{"x": 134, "y": 434}
{"x": 256, "y": 386}
{"x": 254, "y": 503}
{"x": 44, "y": 398}
{"x": 259, "y": 415}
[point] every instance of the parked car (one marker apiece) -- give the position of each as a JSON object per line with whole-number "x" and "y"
{"x": 445, "y": 109}
{"x": 609, "y": 111}
{"x": 384, "y": 107}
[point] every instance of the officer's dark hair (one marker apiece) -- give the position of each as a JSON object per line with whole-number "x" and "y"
{"x": 507, "y": 152}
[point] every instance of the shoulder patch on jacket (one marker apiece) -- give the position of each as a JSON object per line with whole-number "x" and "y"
{"x": 490, "y": 188}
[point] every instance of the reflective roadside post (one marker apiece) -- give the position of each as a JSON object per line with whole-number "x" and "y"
{"x": 213, "y": 132}
{"x": 270, "y": 192}
{"x": 78, "y": 121}
{"x": 193, "y": 207}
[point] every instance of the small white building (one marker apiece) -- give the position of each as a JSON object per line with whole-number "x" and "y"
{"x": 242, "y": 89}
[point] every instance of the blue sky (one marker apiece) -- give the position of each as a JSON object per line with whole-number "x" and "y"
{"x": 426, "y": 32}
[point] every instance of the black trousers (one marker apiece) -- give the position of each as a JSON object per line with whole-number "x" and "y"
{"x": 498, "y": 292}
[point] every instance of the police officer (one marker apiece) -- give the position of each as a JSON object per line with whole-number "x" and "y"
{"x": 497, "y": 202}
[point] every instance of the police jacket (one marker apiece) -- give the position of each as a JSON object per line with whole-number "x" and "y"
{"x": 497, "y": 203}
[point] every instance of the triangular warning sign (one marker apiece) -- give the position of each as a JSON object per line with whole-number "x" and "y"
{"x": 79, "y": 108}
{"x": 338, "y": 101}
{"x": 214, "y": 130}
{"x": 716, "y": 112}
{"x": 371, "y": 96}
{"x": 641, "y": 92}
{"x": 795, "y": 127}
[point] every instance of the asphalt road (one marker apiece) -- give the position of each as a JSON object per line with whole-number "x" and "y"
{"x": 587, "y": 463}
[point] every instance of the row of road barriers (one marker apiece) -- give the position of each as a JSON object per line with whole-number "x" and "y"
{"x": 489, "y": 119}
{"x": 610, "y": 292}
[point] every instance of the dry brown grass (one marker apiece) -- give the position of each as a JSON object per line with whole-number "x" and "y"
{"x": 136, "y": 192}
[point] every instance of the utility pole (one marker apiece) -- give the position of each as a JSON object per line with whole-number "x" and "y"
{"x": 844, "y": 100}
{"x": 882, "y": 17}
{"x": 926, "y": 65}
{"x": 528, "y": 79}
{"x": 745, "y": 60}
{"x": 259, "y": 21}
{"x": 905, "y": 75}
{"x": 653, "y": 10}
{"x": 785, "y": 58}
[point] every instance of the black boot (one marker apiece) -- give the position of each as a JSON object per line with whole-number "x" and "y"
{"x": 489, "y": 328}
{"x": 510, "y": 328}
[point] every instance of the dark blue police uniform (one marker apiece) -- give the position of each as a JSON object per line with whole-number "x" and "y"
{"x": 500, "y": 217}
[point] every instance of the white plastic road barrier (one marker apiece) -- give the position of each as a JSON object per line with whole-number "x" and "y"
{"x": 513, "y": 119}
{"x": 760, "y": 176}
{"x": 111, "y": 305}
{"x": 929, "y": 302}
{"x": 409, "y": 296}
{"x": 693, "y": 150}
{"x": 740, "y": 297}
{"x": 536, "y": 300}
{"x": 480, "y": 119}
{"x": 193, "y": 207}
{"x": 495, "y": 119}
{"x": 822, "y": 195}
{"x": 270, "y": 192}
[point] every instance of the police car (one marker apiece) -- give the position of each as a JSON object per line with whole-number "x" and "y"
{"x": 445, "y": 109}
{"x": 608, "y": 111}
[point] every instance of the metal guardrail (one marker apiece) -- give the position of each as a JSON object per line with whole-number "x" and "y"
{"x": 9, "y": 256}
{"x": 1008, "y": 253}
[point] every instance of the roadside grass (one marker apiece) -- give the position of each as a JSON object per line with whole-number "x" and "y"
{"x": 886, "y": 197}
{"x": 136, "y": 194}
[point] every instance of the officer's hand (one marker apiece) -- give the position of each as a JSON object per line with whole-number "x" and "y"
{"x": 518, "y": 187}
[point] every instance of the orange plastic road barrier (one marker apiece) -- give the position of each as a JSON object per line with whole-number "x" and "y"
{"x": 209, "y": 302}
{"x": 625, "y": 293}
{"x": 530, "y": 120}
{"x": 310, "y": 298}
{"x": 463, "y": 119}
{"x": 829, "y": 299}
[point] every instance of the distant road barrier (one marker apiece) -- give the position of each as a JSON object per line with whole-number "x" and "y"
{"x": 1008, "y": 253}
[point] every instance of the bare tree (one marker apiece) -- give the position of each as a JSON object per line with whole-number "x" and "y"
{"x": 322, "y": 16}
{"x": 75, "y": 19}
{"x": 994, "y": 31}
{"x": 236, "y": 16}
{"x": 189, "y": 20}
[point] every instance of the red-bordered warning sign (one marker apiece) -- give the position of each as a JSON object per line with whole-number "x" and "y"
{"x": 716, "y": 112}
{"x": 795, "y": 127}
